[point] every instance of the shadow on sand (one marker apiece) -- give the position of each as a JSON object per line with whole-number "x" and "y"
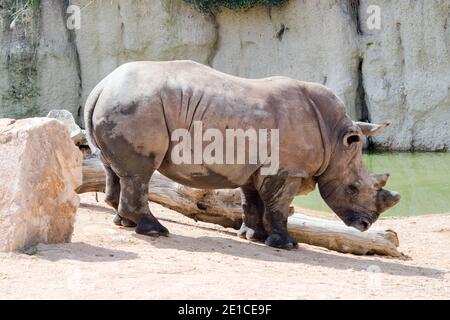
{"x": 82, "y": 252}
{"x": 97, "y": 208}
{"x": 303, "y": 255}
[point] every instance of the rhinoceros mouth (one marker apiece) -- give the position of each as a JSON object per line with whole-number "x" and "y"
{"x": 358, "y": 220}
{"x": 362, "y": 225}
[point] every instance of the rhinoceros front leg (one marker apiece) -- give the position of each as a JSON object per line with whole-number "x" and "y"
{"x": 277, "y": 192}
{"x": 252, "y": 226}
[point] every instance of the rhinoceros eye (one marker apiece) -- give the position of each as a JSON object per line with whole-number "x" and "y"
{"x": 352, "y": 189}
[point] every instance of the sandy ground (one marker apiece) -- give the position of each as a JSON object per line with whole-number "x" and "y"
{"x": 203, "y": 261}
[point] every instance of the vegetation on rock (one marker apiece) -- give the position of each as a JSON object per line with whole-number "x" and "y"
{"x": 22, "y": 16}
{"x": 207, "y": 6}
{"x": 19, "y": 9}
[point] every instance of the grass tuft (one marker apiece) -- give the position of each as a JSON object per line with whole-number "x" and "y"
{"x": 30, "y": 250}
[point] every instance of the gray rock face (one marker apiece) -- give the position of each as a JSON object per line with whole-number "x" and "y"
{"x": 38, "y": 63}
{"x": 399, "y": 72}
{"x": 115, "y": 32}
{"x": 406, "y": 73}
{"x": 307, "y": 40}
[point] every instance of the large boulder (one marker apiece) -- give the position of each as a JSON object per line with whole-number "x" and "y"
{"x": 40, "y": 167}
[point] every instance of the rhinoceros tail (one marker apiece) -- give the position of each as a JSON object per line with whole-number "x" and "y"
{"x": 88, "y": 112}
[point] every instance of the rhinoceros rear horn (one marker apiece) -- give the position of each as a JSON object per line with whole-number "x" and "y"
{"x": 371, "y": 129}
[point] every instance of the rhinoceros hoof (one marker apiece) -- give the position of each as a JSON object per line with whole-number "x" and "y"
{"x": 117, "y": 220}
{"x": 252, "y": 234}
{"x": 281, "y": 241}
{"x": 124, "y": 222}
{"x": 149, "y": 226}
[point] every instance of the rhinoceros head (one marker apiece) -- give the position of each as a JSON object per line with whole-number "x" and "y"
{"x": 357, "y": 197}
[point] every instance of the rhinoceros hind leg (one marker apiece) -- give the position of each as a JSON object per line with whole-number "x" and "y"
{"x": 134, "y": 206}
{"x": 112, "y": 189}
{"x": 277, "y": 192}
{"x": 112, "y": 196}
{"x": 252, "y": 227}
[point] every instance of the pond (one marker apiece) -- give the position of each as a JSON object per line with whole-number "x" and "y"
{"x": 423, "y": 180}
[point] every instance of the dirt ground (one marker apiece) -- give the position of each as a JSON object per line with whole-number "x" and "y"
{"x": 203, "y": 261}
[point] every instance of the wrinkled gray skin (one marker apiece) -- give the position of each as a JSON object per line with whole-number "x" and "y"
{"x": 131, "y": 114}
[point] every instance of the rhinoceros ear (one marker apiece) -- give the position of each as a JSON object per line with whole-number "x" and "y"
{"x": 379, "y": 180}
{"x": 350, "y": 138}
{"x": 371, "y": 129}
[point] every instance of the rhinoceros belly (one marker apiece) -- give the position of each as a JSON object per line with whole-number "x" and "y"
{"x": 196, "y": 176}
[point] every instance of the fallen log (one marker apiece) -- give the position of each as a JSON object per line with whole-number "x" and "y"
{"x": 223, "y": 207}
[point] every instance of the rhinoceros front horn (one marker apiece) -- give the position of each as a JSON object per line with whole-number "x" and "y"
{"x": 371, "y": 129}
{"x": 387, "y": 199}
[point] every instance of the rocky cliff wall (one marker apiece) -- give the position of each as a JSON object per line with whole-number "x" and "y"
{"x": 38, "y": 62}
{"x": 399, "y": 72}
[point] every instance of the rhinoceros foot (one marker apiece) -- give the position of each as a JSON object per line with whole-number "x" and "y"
{"x": 256, "y": 234}
{"x": 281, "y": 241}
{"x": 124, "y": 222}
{"x": 149, "y": 226}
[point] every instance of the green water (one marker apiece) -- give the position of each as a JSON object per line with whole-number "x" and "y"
{"x": 423, "y": 180}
